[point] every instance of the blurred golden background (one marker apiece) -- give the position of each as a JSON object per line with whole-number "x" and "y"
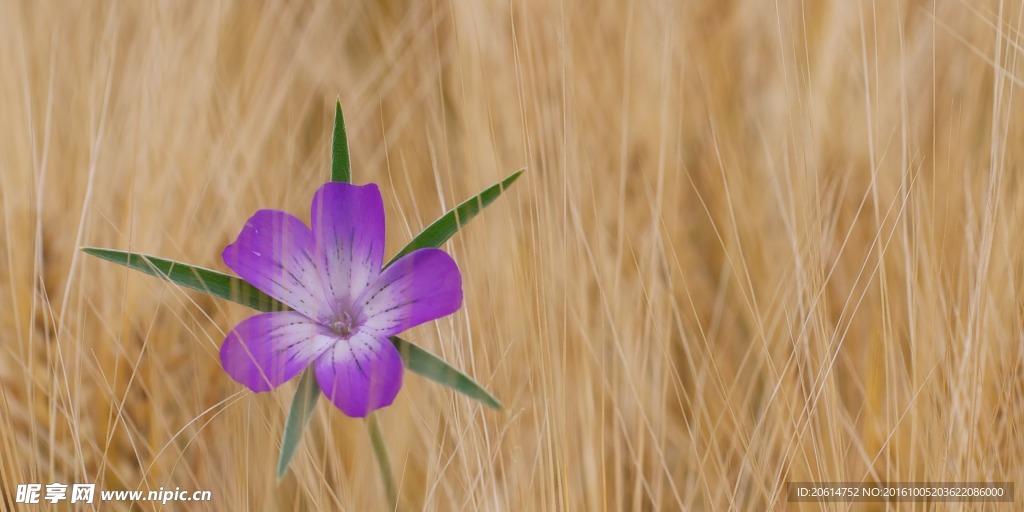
{"x": 756, "y": 242}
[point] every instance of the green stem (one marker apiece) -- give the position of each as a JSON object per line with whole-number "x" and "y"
{"x": 380, "y": 449}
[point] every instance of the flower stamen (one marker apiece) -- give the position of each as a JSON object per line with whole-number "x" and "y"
{"x": 343, "y": 326}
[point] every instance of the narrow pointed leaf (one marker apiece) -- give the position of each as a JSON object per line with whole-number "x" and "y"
{"x": 205, "y": 280}
{"x": 341, "y": 163}
{"x": 420, "y": 361}
{"x": 303, "y": 405}
{"x": 443, "y": 228}
{"x": 235, "y": 289}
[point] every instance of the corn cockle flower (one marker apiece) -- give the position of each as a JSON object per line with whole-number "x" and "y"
{"x": 343, "y": 306}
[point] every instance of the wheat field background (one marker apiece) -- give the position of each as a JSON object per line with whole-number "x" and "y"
{"x": 756, "y": 242}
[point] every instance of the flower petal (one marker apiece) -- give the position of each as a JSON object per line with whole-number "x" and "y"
{"x": 274, "y": 253}
{"x": 265, "y": 350}
{"x": 421, "y": 286}
{"x": 360, "y": 374}
{"x": 348, "y": 226}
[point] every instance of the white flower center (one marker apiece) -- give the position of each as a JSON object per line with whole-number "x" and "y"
{"x": 344, "y": 325}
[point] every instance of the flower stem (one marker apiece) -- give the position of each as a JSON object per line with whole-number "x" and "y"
{"x": 380, "y": 449}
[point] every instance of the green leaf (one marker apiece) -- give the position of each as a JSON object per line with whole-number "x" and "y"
{"x": 190, "y": 276}
{"x": 443, "y": 228}
{"x": 225, "y": 286}
{"x": 298, "y": 419}
{"x": 234, "y": 289}
{"x": 341, "y": 163}
{"x": 420, "y": 361}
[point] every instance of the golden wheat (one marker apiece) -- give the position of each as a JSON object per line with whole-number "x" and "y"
{"x": 757, "y": 242}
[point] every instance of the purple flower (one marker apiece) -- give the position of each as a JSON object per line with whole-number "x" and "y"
{"x": 343, "y": 306}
